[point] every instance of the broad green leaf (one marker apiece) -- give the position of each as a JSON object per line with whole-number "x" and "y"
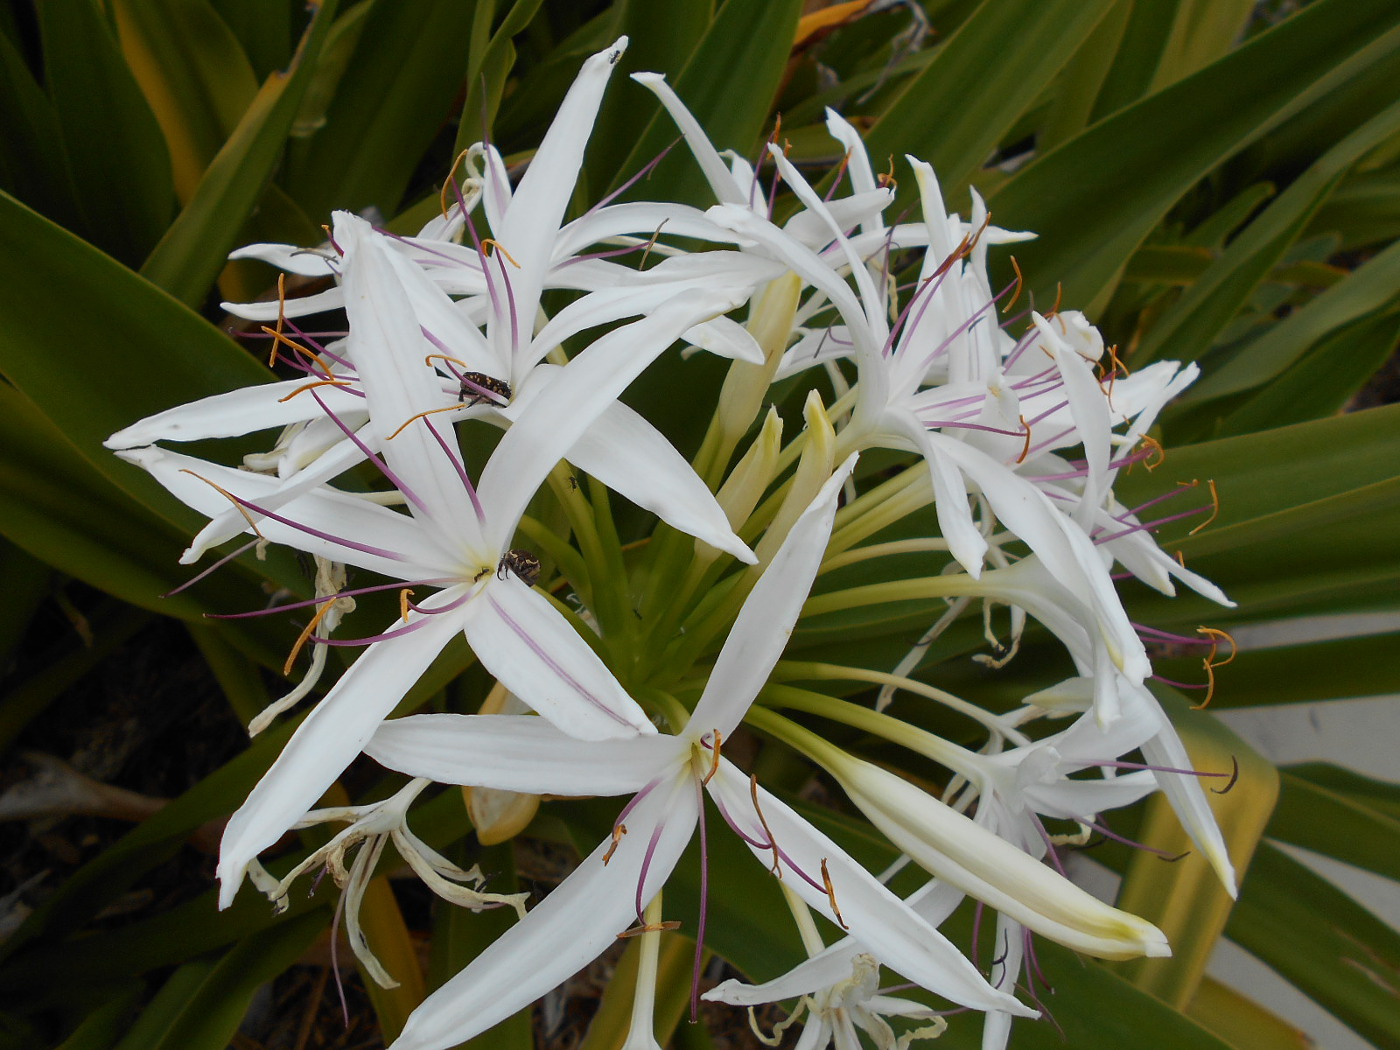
{"x": 156, "y": 353}
{"x": 27, "y": 582}
{"x": 1337, "y": 824}
{"x": 1204, "y": 31}
{"x": 1370, "y": 288}
{"x": 193, "y": 250}
{"x": 956, "y": 112}
{"x": 1323, "y": 381}
{"x": 33, "y": 164}
{"x": 124, "y": 183}
{"x": 1137, "y": 57}
{"x": 1380, "y": 795}
{"x": 401, "y": 85}
{"x": 1082, "y": 79}
{"x": 491, "y": 57}
{"x": 102, "y": 1028}
{"x": 1364, "y": 209}
{"x": 193, "y": 73}
{"x": 1095, "y": 199}
{"x": 1241, "y": 1022}
{"x": 206, "y": 1014}
{"x": 1321, "y": 941}
{"x": 264, "y": 29}
{"x": 1185, "y": 331}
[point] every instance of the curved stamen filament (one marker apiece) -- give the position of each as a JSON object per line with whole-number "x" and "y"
{"x": 311, "y": 386}
{"x": 238, "y": 503}
{"x": 714, "y": 766}
{"x": 491, "y": 242}
{"x": 420, "y": 415}
{"x": 1214, "y": 507}
{"x": 776, "y": 867}
{"x": 1020, "y": 283}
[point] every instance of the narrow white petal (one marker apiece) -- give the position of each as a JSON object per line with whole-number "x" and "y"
{"x": 762, "y": 628}
{"x": 563, "y": 412}
{"x": 331, "y": 737}
{"x": 520, "y": 753}
{"x": 531, "y": 649}
{"x": 631, "y": 457}
{"x": 352, "y": 530}
{"x": 301, "y": 306}
{"x": 306, "y": 262}
{"x": 722, "y": 183}
{"x": 567, "y": 930}
{"x": 242, "y": 411}
{"x": 891, "y": 930}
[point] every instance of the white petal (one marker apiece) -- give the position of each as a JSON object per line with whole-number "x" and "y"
{"x": 331, "y": 737}
{"x": 567, "y": 930}
{"x": 568, "y": 406}
{"x": 242, "y": 411}
{"x": 765, "y": 622}
{"x": 301, "y": 306}
{"x": 722, "y": 183}
{"x": 631, "y": 457}
{"x": 891, "y": 930}
{"x": 306, "y": 262}
{"x": 389, "y": 349}
{"x": 353, "y": 531}
{"x": 531, "y": 649}
{"x": 520, "y": 753}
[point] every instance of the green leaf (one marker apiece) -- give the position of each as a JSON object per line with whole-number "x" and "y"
{"x": 102, "y": 1028}
{"x": 193, "y": 250}
{"x": 33, "y": 165}
{"x": 1380, "y": 795}
{"x": 193, "y": 73}
{"x": 1185, "y": 331}
{"x": 1082, "y": 79}
{"x": 263, "y": 29}
{"x": 1094, "y": 200}
{"x": 124, "y": 180}
{"x": 160, "y": 353}
{"x": 400, "y": 87}
{"x": 1321, "y": 941}
{"x": 1338, "y": 824}
{"x": 1136, "y": 59}
{"x": 27, "y": 582}
{"x": 1323, "y": 381}
{"x": 1364, "y": 209}
{"x": 1372, "y": 287}
{"x": 204, "y": 1014}
{"x": 955, "y": 113}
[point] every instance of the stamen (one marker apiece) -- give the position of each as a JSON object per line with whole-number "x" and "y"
{"x": 1026, "y": 449}
{"x": 1020, "y": 282}
{"x": 776, "y": 868}
{"x": 306, "y": 633}
{"x": 1234, "y": 778}
{"x": 1214, "y": 507}
{"x": 1059, "y": 297}
{"x": 420, "y": 415}
{"x": 444, "y": 357}
{"x": 650, "y": 927}
{"x": 652, "y": 243}
{"x": 618, "y": 831}
{"x": 491, "y": 242}
{"x": 714, "y": 766}
{"x": 404, "y": 603}
{"x": 281, "y": 317}
{"x": 451, "y": 180}
{"x": 831, "y": 895}
{"x": 1157, "y": 454}
{"x": 311, "y": 386}
{"x": 232, "y": 499}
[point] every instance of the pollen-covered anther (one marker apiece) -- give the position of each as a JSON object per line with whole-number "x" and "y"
{"x": 420, "y": 415}
{"x": 1234, "y": 777}
{"x": 1214, "y": 507}
{"x": 489, "y": 242}
{"x": 618, "y": 831}
{"x": 404, "y": 603}
{"x": 281, "y": 319}
{"x": 831, "y": 895}
{"x": 1026, "y": 448}
{"x": 312, "y": 386}
{"x": 1020, "y": 283}
{"x": 650, "y": 927}
{"x": 306, "y": 633}
{"x": 714, "y": 765}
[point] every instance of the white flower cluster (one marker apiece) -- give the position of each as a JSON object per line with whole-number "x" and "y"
{"x": 1016, "y": 442}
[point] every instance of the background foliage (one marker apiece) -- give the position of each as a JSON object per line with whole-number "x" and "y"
{"x": 1212, "y": 180}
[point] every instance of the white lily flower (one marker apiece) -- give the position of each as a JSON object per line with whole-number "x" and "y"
{"x": 670, "y": 775}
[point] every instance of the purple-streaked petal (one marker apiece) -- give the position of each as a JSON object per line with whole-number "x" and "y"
{"x": 242, "y": 411}
{"x": 567, "y": 930}
{"x": 332, "y": 735}
{"x": 531, "y": 649}
{"x": 370, "y": 536}
{"x": 892, "y": 931}
{"x": 521, "y": 753}
{"x": 561, "y": 414}
{"x": 762, "y": 628}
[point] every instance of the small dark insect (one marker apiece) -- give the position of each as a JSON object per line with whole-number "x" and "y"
{"x": 472, "y": 396}
{"x": 522, "y": 563}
